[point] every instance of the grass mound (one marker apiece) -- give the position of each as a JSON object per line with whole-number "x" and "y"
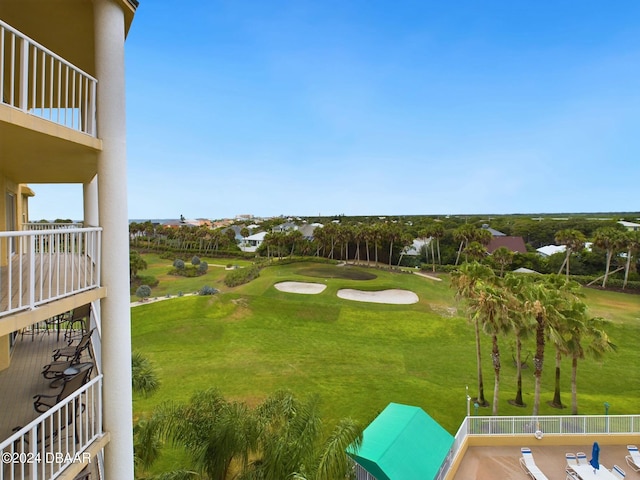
{"x": 331, "y": 271}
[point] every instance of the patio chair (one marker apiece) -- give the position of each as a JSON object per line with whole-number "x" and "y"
{"x": 633, "y": 459}
{"x": 78, "y": 321}
{"x": 528, "y": 464}
{"x": 571, "y": 459}
{"x": 75, "y": 351}
{"x": 618, "y": 472}
{"x": 582, "y": 458}
{"x": 42, "y": 403}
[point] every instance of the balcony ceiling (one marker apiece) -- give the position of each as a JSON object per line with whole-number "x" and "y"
{"x": 33, "y": 150}
{"x": 64, "y": 27}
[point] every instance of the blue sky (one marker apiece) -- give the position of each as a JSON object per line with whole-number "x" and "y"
{"x": 380, "y": 107}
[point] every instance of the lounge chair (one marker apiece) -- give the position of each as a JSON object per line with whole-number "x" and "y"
{"x": 74, "y": 351}
{"x": 78, "y": 322}
{"x": 528, "y": 464}
{"x": 618, "y": 472}
{"x": 633, "y": 459}
{"x": 571, "y": 459}
{"x": 582, "y": 458}
{"x": 42, "y": 402}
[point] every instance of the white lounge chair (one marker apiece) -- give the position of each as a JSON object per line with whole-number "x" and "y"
{"x": 571, "y": 459}
{"x": 618, "y": 472}
{"x": 528, "y": 464}
{"x": 633, "y": 459}
{"x": 582, "y": 458}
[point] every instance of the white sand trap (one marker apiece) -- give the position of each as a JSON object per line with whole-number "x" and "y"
{"x": 395, "y": 296}
{"x": 306, "y": 288}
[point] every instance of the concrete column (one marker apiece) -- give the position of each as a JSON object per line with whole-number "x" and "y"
{"x": 90, "y": 197}
{"x": 112, "y": 203}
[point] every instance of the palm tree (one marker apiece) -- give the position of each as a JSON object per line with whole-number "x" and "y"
{"x": 464, "y": 281}
{"x": 437, "y": 232}
{"x": 632, "y": 243}
{"x": 489, "y": 307}
{"x": 573, "y": 240}
{"x": 393, "y": 234}
{"x": 543, "y": 303}
{"x": 503, "y": 257}
{"x": 521, "y": 325}
{"x": 358, "y": 236}
{"x": 585, "y": 335}
{"x": 144, "y": 377}
{"x": 609, "y": 239}
{"x": 475, "y": 250}
{"x": 463, "y": 234}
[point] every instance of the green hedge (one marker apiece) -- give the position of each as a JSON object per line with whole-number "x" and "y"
{"x": 241, "y": 276}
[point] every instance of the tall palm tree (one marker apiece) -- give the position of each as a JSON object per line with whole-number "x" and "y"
{"x": 464, "y": 281}
{"x": 611, "y": 240}
{"x": 543, "y": 303}
{"x": 521, "y": 324}
{"x": 489, "y": 307}
{"x": 393, "y": 233}
{"x": 632, "y": 243}
{"x": 573, "y": 240}
{"x": 437, "y": 232}
{"x": 463, "y": 234}
{"x": 586, "y": 336}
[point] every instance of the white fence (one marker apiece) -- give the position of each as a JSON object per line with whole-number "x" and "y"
{"x": 57, "y": 438}
{"x": 37, "y": 81}
{"x": 33, "y": 226}
{"x": 37, "y": 267}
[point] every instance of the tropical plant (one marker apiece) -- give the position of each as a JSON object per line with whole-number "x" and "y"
{"x": 464, "y": 281}
{"x": 143, "y": 292}
{"x": 632, "y": 244}
{"x": 136, "y": 263}
{"x": 144, "y": 377}
{"x": 573, "y": 240}
{"x": 611, "y": 240}
{"x": 503, "y": 257}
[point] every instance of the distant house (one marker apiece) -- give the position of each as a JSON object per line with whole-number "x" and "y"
{"x": 549, "y": 250}
{"x": 632, "y": 227}
{"x": 515, "y": 244}
{"x": 493, "y": 231}
{"x": 284, "y": 227}
{"x": 252, "y": 242}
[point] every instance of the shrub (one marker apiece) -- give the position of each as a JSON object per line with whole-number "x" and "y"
{"x": 143, "y": 292}
{"x": 195, "y": 260}
{"x": 179, "y": 264}
{"x": 207, "y": 290}
{"x": 241, "y": 276}
{"x": 203, "y": 267}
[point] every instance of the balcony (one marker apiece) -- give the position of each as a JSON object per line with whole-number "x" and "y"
{"x": 43, "y": 446}
{"x": 41, "y": 266}
{"x": 37, "y": 81}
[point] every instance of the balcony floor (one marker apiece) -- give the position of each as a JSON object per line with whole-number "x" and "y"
{"x": 489, "y": 463}
{"x": 22, "y": 380}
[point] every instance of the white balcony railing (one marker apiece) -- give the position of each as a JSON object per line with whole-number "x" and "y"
{"x": 57, "y": 438}
{"x": 538, "y": 427}
{"x": 37, "y": 267}
{"x": 31, "y": 226}
{"x": 37, "y": 81}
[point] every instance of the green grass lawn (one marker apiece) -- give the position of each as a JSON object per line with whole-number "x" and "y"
{"x": 252, "y": 340}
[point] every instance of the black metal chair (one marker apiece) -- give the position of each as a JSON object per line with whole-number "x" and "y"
{"x": 78, "y": 322}
{"x": 75, "y": 351}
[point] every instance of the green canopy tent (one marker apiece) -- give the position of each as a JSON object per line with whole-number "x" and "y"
{"x": 403, "y": 443}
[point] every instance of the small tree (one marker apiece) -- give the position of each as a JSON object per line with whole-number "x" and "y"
{"x": 178, "y": 264}
{"x": 203, "y": 267}
{"x": 195, "y": 260}
{"x": 143, "y": 292}
{"x": 136, "y": 263}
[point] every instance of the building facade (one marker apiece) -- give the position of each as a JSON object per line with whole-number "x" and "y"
{"x": 62, "y": 121}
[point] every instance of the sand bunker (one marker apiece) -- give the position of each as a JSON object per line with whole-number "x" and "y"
{"x": 396, "y": 297}
{"x": 306, "y": 288}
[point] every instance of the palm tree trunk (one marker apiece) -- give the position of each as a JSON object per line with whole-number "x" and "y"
{"x": 538, "y": 361}
{"x": 606, "y": 272}
{"x": 367, "y": 245}
{"x": 390, "y": 252}
{"x": 518, "y": 400}
{"x": 557, "y": 401}
{"x": 438, "y": 245}
{"x": 627, "y": 265}
{"x": 433, "y": 257}
{"x": 574, "y": 385}
{"x": 480, "y": 400}
{"x": 495, "y": 356}
{"x": 459, "y": 252}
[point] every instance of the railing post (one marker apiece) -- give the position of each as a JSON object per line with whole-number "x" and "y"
{"x": 23, "y": 92}
{"x": 33, "y": 448}
{"x": 32, "y": 271}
